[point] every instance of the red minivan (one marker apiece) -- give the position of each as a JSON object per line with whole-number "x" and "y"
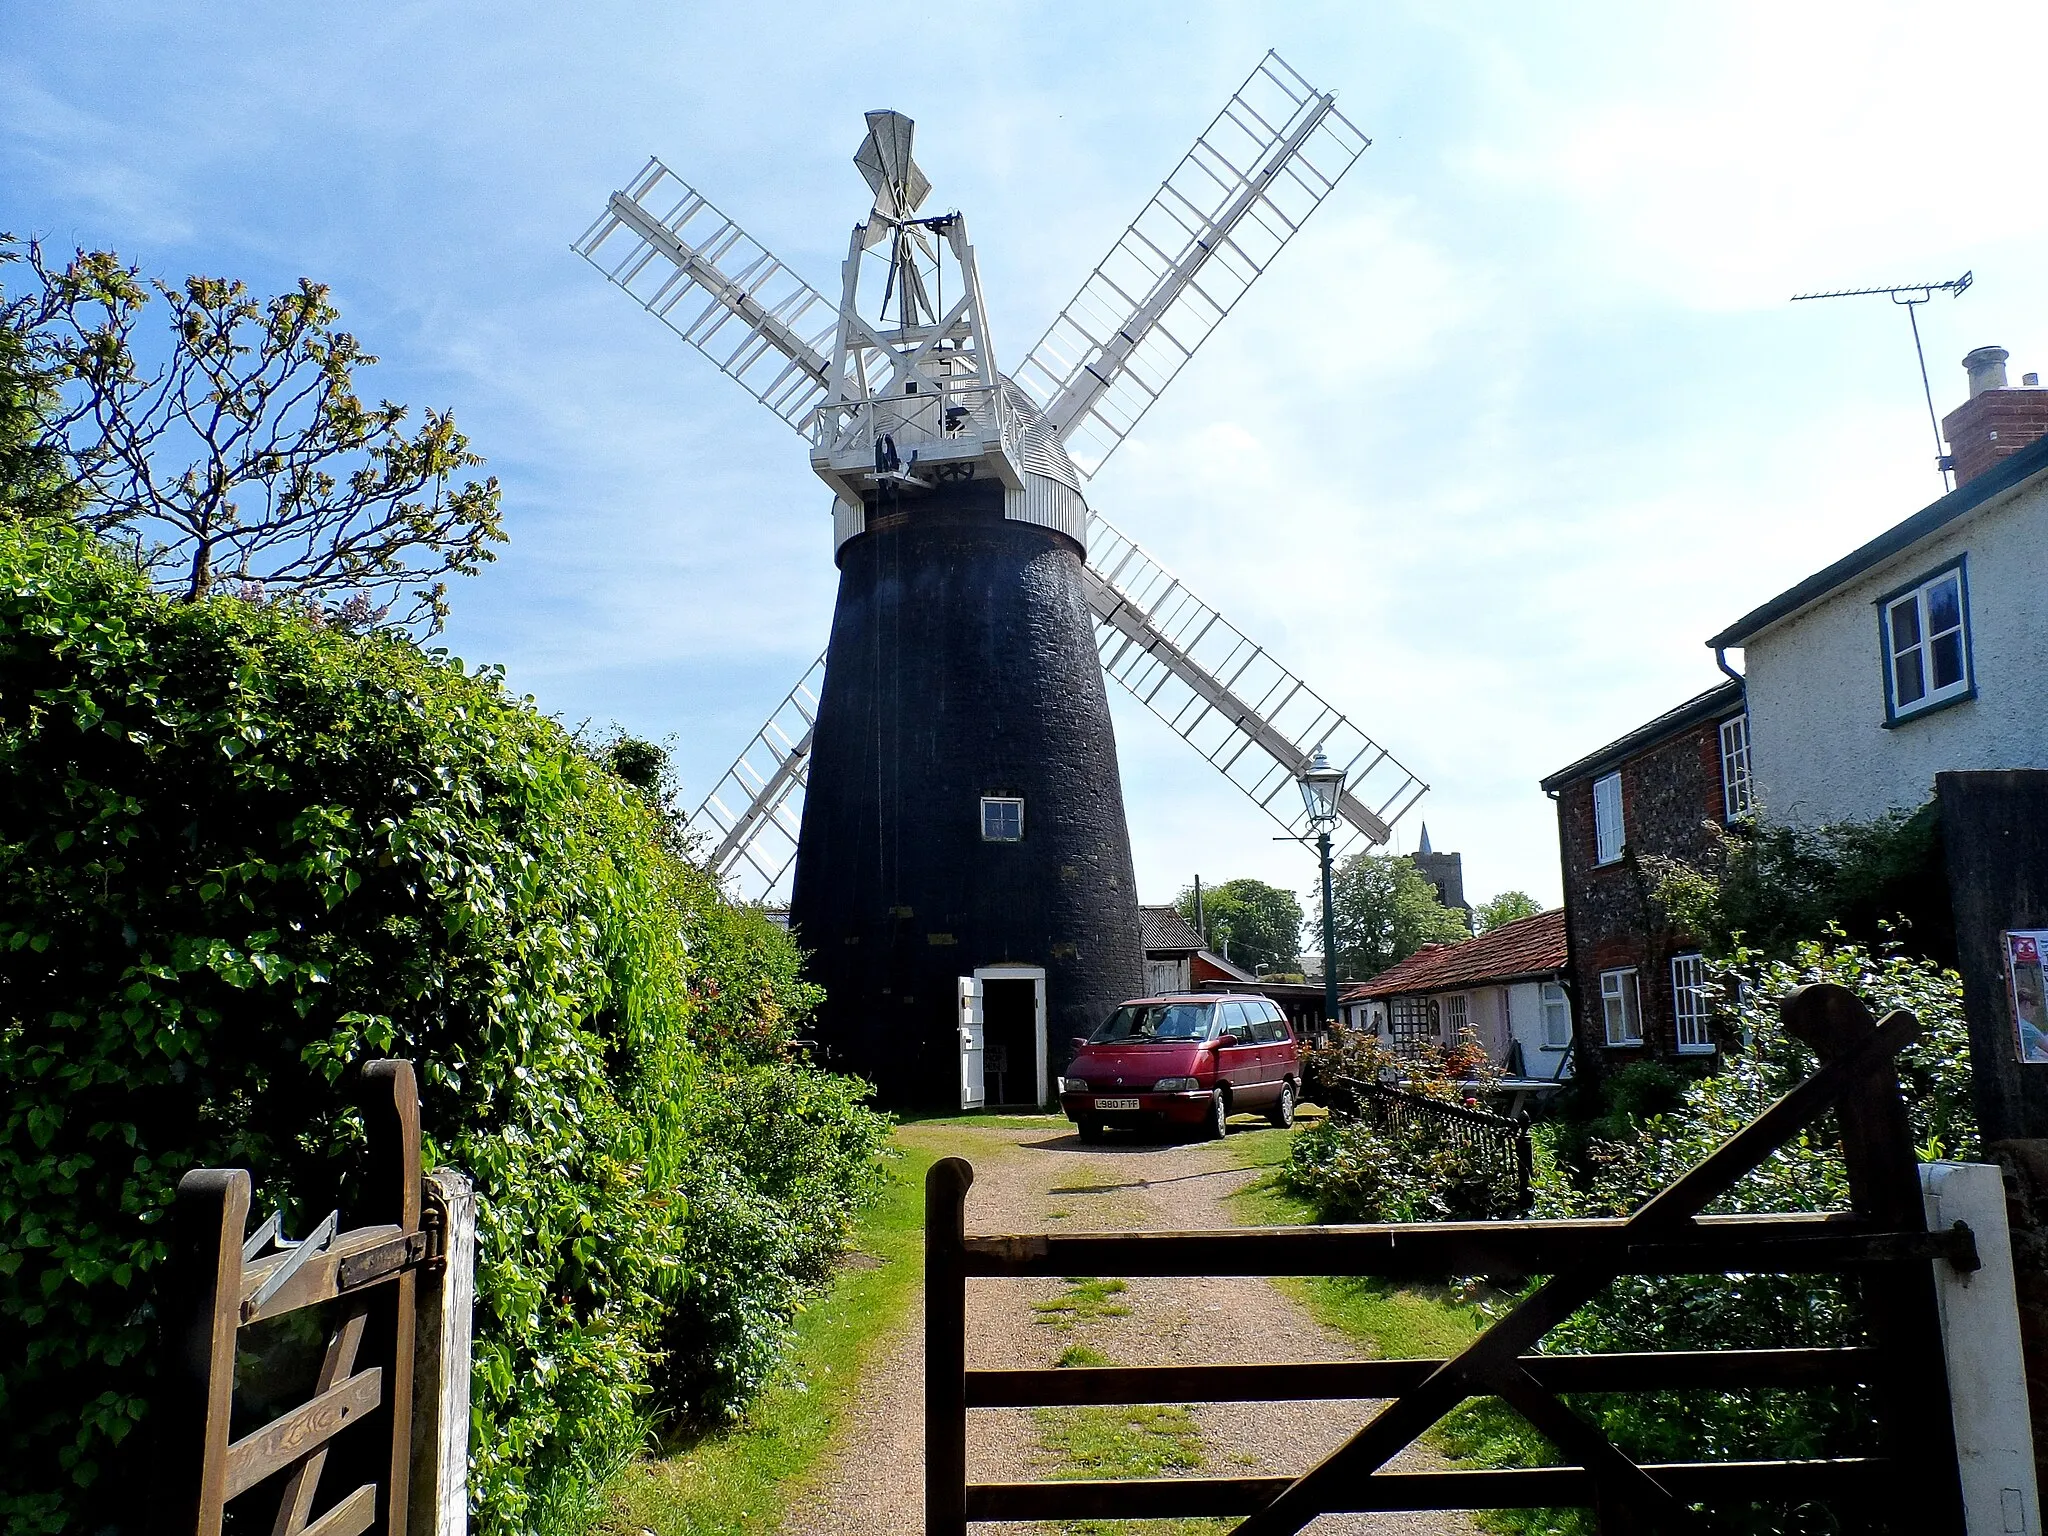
{"x": 1183, "y": 1060}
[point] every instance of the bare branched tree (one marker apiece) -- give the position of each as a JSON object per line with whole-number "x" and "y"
{"x": 239, "y": 451}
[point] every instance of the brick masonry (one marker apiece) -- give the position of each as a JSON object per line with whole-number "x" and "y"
{"x": 1670, "y": 791}
{"x": 1993, "y": 425}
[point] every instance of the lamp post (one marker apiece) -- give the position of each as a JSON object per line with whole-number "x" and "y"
{"x": 1321, "y": 786}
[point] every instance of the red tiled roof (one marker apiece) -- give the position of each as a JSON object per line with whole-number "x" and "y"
{"x": 1529, "y": 946}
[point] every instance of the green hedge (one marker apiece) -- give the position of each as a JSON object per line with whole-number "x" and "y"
{"x": 242, "y": 853}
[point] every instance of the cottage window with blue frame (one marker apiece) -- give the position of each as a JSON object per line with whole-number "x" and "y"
{"x": 1002, "y": 819}
{"x": 1927, "y": 644}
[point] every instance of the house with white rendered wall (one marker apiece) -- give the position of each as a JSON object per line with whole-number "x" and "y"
{"x": 1503, "y": 989}
{"x": 1924, "y": 651}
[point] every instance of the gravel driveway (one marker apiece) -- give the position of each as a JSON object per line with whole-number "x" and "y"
{"x": 1044, "y": 1179}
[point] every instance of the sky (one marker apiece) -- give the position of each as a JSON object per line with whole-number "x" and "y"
{"x": 1520, "y": 417}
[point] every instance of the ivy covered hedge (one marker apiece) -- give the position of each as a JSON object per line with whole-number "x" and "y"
{"x": 241, "y": 853}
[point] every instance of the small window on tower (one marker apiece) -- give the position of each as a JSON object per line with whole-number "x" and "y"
{"x": 1002, "y": 819}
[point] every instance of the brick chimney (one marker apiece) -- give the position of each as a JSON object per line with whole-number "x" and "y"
{"x": 1996, "y": 421}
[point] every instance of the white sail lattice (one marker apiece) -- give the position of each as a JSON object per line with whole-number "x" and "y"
{"x": 1229, "y": 699}
{"x": 1270, "y": 157}
{"x": 712, "y": 284}
{"x": 746, "y": 829}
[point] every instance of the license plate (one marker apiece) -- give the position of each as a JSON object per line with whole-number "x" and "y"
{"x": 1116, "y": 1103}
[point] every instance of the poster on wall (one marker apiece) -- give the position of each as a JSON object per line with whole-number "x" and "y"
{"x": 2023, "y": 951}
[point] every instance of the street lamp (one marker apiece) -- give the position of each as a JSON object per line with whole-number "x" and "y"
{"x": 1321, "y": 788}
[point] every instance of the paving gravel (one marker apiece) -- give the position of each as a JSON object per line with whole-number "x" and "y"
{"x": 1045, "y": 1179}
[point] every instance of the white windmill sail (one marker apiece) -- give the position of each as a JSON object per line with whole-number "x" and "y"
{"x": 747, "y": 826}
{"x": 1272, "y": 154}
{"x": 717, "y": 288}
{"x": 1270, "y": 157}
{"x": 1229, "y": 699}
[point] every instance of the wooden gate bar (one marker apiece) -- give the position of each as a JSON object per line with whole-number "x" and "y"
{"x": 198, "y": 1370}
{"x": 391, "y": 1119}
{"x": 1709, "y": 1482}
{"x": 1915, "y": 1422}
{"x": 1724, "y": 1369}
{"x": 1778, "y": 1244}
{"x": 1408, "y": 1417}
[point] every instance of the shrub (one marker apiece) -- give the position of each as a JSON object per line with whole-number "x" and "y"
{"x": 240, "y": 854}
{"x": 1352, "y": 1171}
{"x": 1768, "y": 887}
{"x": 1410, "y": 1170}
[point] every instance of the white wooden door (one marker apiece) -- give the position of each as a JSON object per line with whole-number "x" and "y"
{"x": 973, "y": 1091}
{"x": 1163, "y": 976}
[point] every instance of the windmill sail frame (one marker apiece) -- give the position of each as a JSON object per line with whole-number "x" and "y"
{"x": 746, "y": 829}
{"x": 1237, "y": 197}
{"x": 761, "y": 324}
{"x": 1227, "y": 697}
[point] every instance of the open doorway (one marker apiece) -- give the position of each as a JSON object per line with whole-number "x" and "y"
{"x": 1013, "y": 1035}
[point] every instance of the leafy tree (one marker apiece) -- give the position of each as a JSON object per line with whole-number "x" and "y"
{"x": 1261, "y": 923}
{"x": 1386, "y": 911}
{"x": 1507, "y": 907}
{"x": 238, "y": 451}
{"x": 33, "y": 482}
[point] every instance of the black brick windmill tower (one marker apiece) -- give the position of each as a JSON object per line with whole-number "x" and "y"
{"x": 944, "y": 780}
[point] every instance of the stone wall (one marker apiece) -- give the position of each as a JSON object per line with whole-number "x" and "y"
{"x": 1670, "y": 791}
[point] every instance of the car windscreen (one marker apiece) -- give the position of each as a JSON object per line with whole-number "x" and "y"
{"x": 1136, "y": 1023}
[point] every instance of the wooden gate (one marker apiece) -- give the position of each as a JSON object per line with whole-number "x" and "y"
{"x": 1910, "y": 1484}
{"x": 222, "y": 1280}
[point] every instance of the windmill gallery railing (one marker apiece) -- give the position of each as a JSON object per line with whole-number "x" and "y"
{"x": 1498, "y": 1145}
{"x": 1909, "y": 1483}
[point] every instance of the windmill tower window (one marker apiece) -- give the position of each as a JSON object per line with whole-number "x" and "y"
{"x": 1002, "y": 819}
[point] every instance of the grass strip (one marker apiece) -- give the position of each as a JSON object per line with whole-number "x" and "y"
{"x": 1081, "y": 1302}
{"x": 1132, "y": 1440}
{"x": 739, "y": 1481}
{"x": 1394, "y": 1322}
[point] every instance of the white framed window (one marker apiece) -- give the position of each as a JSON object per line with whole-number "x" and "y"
{"x": 1557, "y": 1017}
{"x": 1621, "y": 1003}
{"x": 1607, "y": 828}
{"x": 1927, "y": 643}
{"x": 1689, "y": 1004}
{"x": 1735, "y": 792}
{"x": 1456, "y": 1018}
{"x": 1002, "y": 819}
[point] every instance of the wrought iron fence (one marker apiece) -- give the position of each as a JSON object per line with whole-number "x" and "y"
{"x": 1497, "y": 1144}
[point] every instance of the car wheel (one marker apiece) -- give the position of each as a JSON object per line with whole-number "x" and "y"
{"x": 1090, "y": 1130}
{"x": 1283, "y": 1107}
{"x": 1219, "y": 1114}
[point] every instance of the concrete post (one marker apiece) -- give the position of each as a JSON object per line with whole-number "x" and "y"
{"x": 1980, "y": 1327}
{"x": 440, "y": 1405}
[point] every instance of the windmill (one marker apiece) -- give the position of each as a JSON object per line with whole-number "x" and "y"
{"x": 944, "y": 778}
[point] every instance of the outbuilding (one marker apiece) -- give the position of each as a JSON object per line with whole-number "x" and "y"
{"x": 1505, "y": 989}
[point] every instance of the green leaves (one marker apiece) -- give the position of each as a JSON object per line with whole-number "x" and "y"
{"x": 242, "y": 853}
